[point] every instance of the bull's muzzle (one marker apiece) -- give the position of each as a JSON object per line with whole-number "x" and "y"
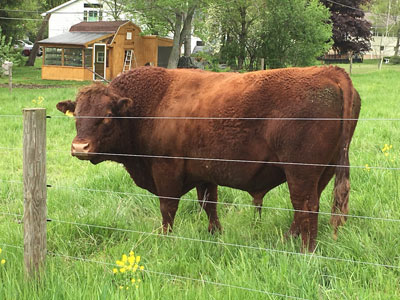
{"x": 80, "y": 150}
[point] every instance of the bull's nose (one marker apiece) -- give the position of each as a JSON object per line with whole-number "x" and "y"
{"x": 80, "y": 149}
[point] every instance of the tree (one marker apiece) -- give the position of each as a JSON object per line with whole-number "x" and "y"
{"x": 14, "y": 22}
{"x": 351, "y": 32}
{"x": 284, "y": 32}
{"x": 296, "y": 32}
{"x": 383, "y": 17}
{"x": 176, "y": 15}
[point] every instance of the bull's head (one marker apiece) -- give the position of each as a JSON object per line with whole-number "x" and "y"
{"x": 98, "y": 130}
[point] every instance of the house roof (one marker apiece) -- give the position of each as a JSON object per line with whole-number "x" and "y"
{"x": 58, "y": 7}
{"x": 75, "y": 38}
{"x": 100, "y": 26}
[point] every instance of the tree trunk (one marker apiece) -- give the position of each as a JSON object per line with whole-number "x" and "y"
{"x": 180, "y": 34}
{"x": 35, "y": 48}
{"x": 396, "y": 48}
{"x": 188, "y": 45}
{"x": 242, "y": 38}
{"x": 174, "y": 56}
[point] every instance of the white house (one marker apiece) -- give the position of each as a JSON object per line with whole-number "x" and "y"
{"x": 381, "y": 45}
{"x": 76, "y": 11}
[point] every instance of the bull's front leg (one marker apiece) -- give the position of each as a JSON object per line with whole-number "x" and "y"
{"x": 168, "y": 182}
{"x": 207, "y": 194}
{"x": 168, "y": 209}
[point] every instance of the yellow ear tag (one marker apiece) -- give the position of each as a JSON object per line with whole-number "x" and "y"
{"x": 69, "y": 114}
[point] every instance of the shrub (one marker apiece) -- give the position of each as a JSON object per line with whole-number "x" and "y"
{"x": 7, "y": 52}
{"x": 395, "y": 60}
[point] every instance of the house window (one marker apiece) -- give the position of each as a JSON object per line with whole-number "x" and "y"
{"x": 100, "y": 57}
{"x": 52, "y": 56}
{"x": 92, "y": 12}
{"x": 73, "y": 57}
{"x": 92, "y": 15}
{"x": 129, "y": 35}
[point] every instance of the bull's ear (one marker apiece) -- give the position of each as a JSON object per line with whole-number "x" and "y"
{"x": 123, "y": 106}
{"x": 66, "y": 105}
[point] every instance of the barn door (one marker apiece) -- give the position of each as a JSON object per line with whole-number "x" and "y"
{"x": 99, "y": 61}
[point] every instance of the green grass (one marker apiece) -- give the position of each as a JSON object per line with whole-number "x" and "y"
{"x": 32, "y": 76}
{"x": 374, "y": 193}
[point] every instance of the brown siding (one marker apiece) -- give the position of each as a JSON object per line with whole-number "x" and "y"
{"x": 66, "y": 73}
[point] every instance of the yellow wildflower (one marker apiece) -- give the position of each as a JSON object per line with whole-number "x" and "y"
{"x": 141, "y": 268}
{"x": 124, "y": 258}
{"x": 131, "y": 253}
{"x": 122, "y": 270}
{"x": 133, "y": 280}
{"x": 134, "y": 268}
{"x": 121, "y": 287}
{"x": 137, "y": 259}
{"x": 120, "y": 263}
{"x": 3, "y": 261}
{"x": 139, "y": 280}
{"x": 115, "y": 270}
{"x": 131, "y": 260}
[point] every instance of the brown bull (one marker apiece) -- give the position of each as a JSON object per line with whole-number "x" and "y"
{"x": 170, "y": 146}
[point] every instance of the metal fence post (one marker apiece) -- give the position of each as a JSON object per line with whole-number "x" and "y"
{"x": 34, "y": 171}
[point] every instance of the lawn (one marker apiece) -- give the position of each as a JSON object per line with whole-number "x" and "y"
{"x": 250, "y": 259}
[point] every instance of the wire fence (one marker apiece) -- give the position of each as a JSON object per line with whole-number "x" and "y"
{"x": 174, "y": 276}
{"x": 205, "y": 201}
{"x": 220, "y": 243}
{"x": 217, "y": 159}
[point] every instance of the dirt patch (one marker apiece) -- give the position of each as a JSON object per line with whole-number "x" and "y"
{"x": 36, "y": 86}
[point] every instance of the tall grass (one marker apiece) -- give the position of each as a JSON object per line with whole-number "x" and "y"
{"x": 374, "y": 193}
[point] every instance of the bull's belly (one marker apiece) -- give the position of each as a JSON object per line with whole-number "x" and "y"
{"x": 241, "y": 176}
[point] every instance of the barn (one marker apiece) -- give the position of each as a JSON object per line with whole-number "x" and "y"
{"x": 103, "y": 49}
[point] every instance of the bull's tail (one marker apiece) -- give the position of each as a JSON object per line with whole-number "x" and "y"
{"x": 342, "y": 172}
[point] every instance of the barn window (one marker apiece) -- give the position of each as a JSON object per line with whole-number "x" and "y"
{"x": 88, "y": 57}
{"x": 73, "y": 57}
{"x": 129, "y": 35}
{"x": 52, "y": 56}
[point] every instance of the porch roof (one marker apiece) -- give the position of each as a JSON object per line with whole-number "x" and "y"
{"x": 75, "y": 38}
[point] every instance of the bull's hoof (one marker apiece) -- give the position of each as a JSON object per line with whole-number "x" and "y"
{"x": 293, "y": 232}
{"x": 214, "y": 227}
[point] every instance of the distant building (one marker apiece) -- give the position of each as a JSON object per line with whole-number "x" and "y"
{"x": 76, "y": 11}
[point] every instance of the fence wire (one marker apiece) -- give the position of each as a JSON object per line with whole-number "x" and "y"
{"x": 213, "y": 118}
{"x": 270, "y": 250}
{"x": 204, "y": 281}
{"x": 202, "y": 202}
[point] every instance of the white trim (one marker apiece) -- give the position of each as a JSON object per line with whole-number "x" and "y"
{"x": 95, "y": 59}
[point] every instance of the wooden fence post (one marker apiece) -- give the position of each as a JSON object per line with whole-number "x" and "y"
{"x": 34, "y": 171}
{"x": 10, "y": 78}
{"x": 262, "y": 63}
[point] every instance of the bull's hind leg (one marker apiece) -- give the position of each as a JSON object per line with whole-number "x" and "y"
{"x": 207, "y": 194}
{"x": 340, "y": 204}
{"x": 305, "y": 200}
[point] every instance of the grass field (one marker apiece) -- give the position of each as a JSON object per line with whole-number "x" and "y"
{"x": 280, "y": 270}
